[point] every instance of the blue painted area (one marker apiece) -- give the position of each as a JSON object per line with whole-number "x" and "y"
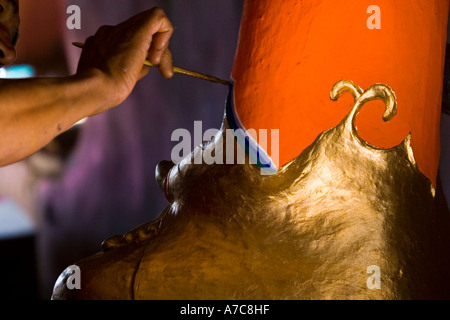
{"x": 256, "y": 153}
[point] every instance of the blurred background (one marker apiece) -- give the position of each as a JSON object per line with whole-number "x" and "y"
{"x": 97, "y": 179}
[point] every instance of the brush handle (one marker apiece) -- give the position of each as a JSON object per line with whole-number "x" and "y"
{"x": 178, "y": 70}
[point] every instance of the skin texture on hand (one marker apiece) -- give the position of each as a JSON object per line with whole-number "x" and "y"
{"x": 119, "y": 52}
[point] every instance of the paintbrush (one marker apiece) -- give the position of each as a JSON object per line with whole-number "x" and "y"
{"x": 178, "y": 70}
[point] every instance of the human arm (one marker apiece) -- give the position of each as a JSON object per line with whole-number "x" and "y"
{"x": 34, "y": 111}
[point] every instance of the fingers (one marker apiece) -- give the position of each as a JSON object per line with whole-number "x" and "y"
{"x": 144, "y": 71}
{"x": 159, "y": 53}
{"x": 166, "y": 64}
{"x": 120, "y": 51}
{"x": 156, "y": 31}
{"x": 160, "y": 41}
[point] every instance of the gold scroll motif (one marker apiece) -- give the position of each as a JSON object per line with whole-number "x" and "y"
{"x": 310, "y": 231}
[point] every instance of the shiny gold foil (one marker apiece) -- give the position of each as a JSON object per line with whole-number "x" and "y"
{"x": 310, "y": 231}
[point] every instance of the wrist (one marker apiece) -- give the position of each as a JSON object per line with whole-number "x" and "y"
{"x": 101, "y": 92}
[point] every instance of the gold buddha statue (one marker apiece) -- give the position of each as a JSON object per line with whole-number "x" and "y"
{"x": 310, "y": 231}
{"x": 344, "y": 218}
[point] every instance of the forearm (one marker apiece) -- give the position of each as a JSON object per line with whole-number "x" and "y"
{"x": 34, "y": 111}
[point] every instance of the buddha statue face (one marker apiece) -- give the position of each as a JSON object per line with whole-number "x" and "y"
{"x": 312, "y": 230}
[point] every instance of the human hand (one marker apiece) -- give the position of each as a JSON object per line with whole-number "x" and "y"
{"x": 117, "y": 53}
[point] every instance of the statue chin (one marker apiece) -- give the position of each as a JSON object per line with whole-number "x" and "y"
{"x": 316, "y": 229}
